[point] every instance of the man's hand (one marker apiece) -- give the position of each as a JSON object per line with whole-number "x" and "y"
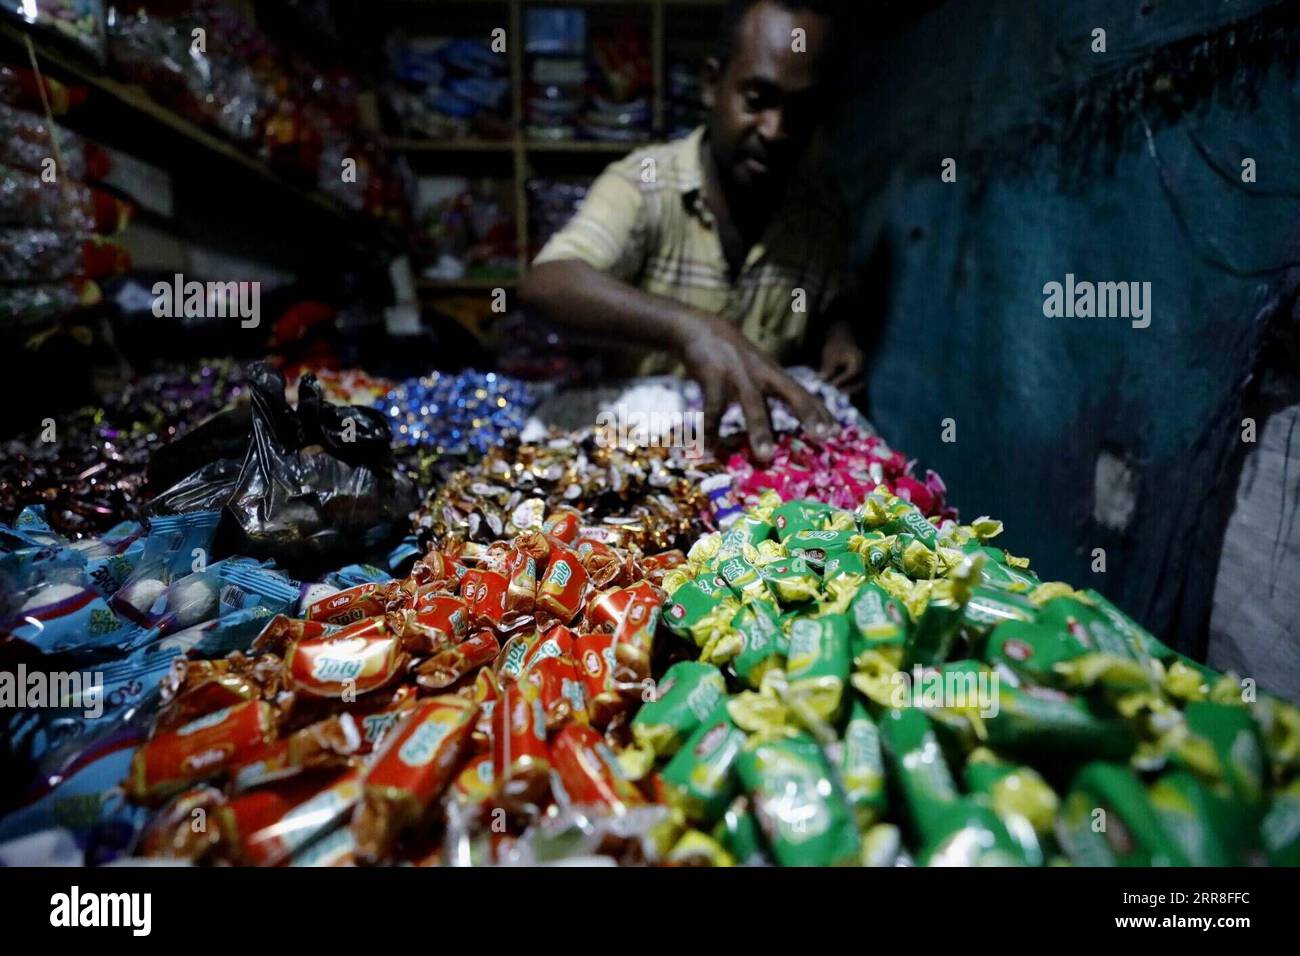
{"x": 842, "y": 360}
{"x": 730, "y": 368}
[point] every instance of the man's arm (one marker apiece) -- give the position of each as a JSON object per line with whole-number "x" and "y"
{"x": 715, "y": 352}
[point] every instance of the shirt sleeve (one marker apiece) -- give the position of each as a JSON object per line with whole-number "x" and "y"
{"x": 608, "y": 232}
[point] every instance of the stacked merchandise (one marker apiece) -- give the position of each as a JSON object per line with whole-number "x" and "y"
{"x": 52, "y": 223}
{"x": 684, "y": 101}
{"x": 618, "y": 107}
{"x": 449, "y": 88}
{"x": 207, "y": 63}
{"x": 466, "y": 229}
{"x": 606, "y": 98}
{"x": 900, "y": 690}
{"x": 555, "y": 44}
{"x": 551, "y": 204}
{"x": 88, "y": 472}
{"x": 577, "y": 659}
{"x": 81, "y": 21}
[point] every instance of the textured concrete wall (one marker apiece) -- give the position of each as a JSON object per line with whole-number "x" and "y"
{"x": 1081, "y": 433}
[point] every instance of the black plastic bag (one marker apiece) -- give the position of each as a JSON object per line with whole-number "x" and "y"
{"x": 292, "y": 498}
{"x": 302, "y": 504}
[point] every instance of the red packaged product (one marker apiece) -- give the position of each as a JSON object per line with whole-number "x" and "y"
{"x": 450, "y": 665}
{"x": 520, "y": 569}
{"x": 267, "y": 826}
{"x": 520, "y": 761}
{"x": 597, "y": 666}
{"x": 415, "y": 764}
{"x": 329, "y": 743}
{"x": 282, "y": 631}
{"x": 563, "y": 525}
{"x": 356, "y": 660}
{"x": 438, "y": 621}
{"x": 485, "y": 593}
{"x": 350, "y": 606}
{"x": 200, "y": 750}
{"x": 589, "y": 771}
{"x": 550, "y": 668}
{"x": 560, "y": 594}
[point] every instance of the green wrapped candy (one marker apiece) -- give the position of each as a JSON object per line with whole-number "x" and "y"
{"x": 1023, "y": 801}
{"x": 876, "y": 549}
{"x": 1107, "y": 820}
{"x": 793, "y": 580}
{"x": 743, "y": 578}
{"x": 1234, "y": 739}
{"x": 818, "y": 546}
{"x": 848, "y": 564}
{"x": 861, "y": 767}
{"x": 700, "y": 780}
{"x": 801, "y": 811}
{"x": 919, "y": 769}
{"x": 989, "y": 606}
{"x": 763, "y": 644}
{"x": 1139, "y": 638}
{"x": 1281, "y": 827}
{"x": 1032, "y": 650}
{"x": 688, "y": 693}
{"x": 699, "y": 609}
{"x": 878, "y": 620}
{"x": 1041, "y": 720}
{"x": 1090, "y": 627}
{"x": 747, "y": 530}
{"x": 1193, "y": 817}
{"x": 931, "y": 641}
{"x": 818, "y": 665}
{"x": 971, "y": 834}
{"x": 997, "y": 573}
{"x": 739, "y": 834}
{"x": 893, "y": 515}
{"x": 799, "y": 515}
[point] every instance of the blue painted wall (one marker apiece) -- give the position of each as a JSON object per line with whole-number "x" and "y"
{"x": 1070, "y": 161}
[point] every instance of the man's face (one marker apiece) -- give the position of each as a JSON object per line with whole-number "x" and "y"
{"x": 766, "y": 101}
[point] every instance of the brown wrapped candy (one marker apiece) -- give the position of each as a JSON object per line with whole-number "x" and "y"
{"x": 200, "y": 750}
{"x": 415, "y": 764}
{"x": 520, "y": 760}
{"x": 448, "y": 666}
{"x": 330, "y": 743}
{"x": 268, "y": 825}
{"x": 356, "y": 660}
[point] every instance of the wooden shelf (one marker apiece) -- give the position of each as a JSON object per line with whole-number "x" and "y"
{"x": 465, "y": 285}
{"x": 135, "y": 100}
{"x": 450, "y": 145}
{"x": 509, "y": 145}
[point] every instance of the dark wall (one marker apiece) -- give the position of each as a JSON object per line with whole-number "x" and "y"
{"x": 1080, "y": 433}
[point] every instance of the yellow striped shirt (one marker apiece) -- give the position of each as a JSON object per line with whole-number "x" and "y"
{"x": 644, "y": 221}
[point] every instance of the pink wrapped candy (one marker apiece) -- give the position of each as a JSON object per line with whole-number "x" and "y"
{"x": 840, "y": 471}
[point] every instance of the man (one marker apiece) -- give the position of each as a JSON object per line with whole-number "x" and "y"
{"x": 716, "y": 250}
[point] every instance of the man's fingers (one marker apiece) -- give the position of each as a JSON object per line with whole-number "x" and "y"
{"x": 715, "y": 403}
{"x": 756, "y": 421}
{"x": 807, "y": 408}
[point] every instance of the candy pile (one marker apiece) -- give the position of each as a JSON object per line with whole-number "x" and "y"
{"x": 655, "y": 498}
{"x": 112, "y": 614}
{"x": 906, "y": 692}
{"x": 839, "y": 471}
{"x": 421, "y": 712}
{"x": 454, "y": 412}
{"x": 89, "y": 469}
